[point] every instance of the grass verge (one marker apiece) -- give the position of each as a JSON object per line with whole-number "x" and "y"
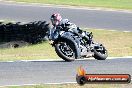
{"x": 76, "y": 86}
{"x": 117, "y": 43}
{"x": 118, "y": 4}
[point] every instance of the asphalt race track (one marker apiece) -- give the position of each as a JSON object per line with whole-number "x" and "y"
{"x": 41, "y": 72}
{"x": 83, "y": 18}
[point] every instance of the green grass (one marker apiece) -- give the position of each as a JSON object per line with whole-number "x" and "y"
{"x": 39, "y": 51}
{"x": 118, "y": 4}
{"x": 117, "y": 43}
{"x": 76, "y": 86}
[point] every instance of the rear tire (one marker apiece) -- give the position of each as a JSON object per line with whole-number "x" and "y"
{"x": 100, "y": 55}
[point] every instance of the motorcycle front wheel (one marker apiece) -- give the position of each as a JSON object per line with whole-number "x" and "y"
{"x": 66, "y": 50}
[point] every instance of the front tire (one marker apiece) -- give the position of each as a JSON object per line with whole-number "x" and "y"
{"x": 66, "y": 50}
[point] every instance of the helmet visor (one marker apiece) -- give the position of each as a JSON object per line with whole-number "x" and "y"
{"x": 54, "y": 22}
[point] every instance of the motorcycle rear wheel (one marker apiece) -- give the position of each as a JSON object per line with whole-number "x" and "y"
{"x": 100, "y": 54}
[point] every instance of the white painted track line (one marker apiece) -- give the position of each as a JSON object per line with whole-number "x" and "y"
{"x": 65, "y": 6}
{"x": 51, "y": 60}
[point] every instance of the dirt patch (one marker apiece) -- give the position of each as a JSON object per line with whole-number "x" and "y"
{"x": 13, "y": 44}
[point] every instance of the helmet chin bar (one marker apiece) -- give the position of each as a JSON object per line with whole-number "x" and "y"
{"x": 57, "y": 22}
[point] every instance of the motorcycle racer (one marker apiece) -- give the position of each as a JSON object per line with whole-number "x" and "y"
{"x": 70, "y": 42}
{"x": 65, "y": 25}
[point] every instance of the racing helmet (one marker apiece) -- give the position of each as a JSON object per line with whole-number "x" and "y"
{"x": 55, "y": 19}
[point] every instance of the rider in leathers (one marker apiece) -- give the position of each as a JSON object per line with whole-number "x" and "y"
{"x": 65, "y": 25}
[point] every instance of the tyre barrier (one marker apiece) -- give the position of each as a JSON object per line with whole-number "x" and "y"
{"x": 32, "y": 32}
